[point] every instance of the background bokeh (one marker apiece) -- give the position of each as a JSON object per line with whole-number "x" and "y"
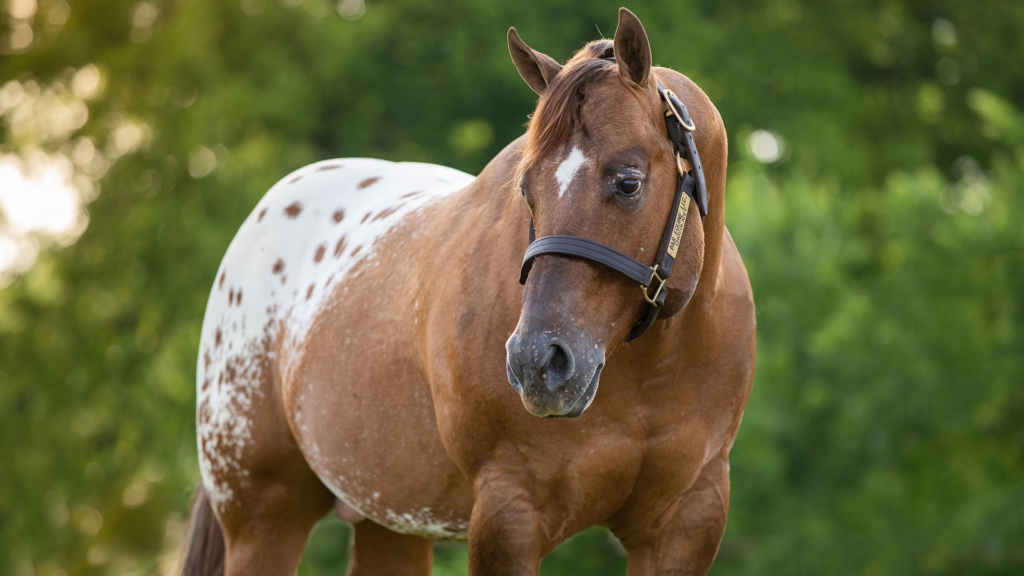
{"x": 876, "y": 187}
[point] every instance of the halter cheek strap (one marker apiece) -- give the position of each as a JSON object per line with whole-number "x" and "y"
{"x": 689, "y": 185}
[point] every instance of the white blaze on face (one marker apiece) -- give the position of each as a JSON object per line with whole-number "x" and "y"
{"x": 568, "y": 168}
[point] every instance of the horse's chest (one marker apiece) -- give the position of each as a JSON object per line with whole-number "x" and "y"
{"x": 643, "y": 472}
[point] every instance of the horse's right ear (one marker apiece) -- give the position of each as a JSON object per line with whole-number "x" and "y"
{"x": 537, "y": 69}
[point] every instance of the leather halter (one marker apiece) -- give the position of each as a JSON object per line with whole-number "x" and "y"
{"x": 689, "y": 184}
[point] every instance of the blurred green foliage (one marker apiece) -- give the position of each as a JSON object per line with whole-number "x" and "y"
{"x": 885, "y": 245}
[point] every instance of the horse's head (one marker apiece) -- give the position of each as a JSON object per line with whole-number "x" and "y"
{"x": 598, "y": 164}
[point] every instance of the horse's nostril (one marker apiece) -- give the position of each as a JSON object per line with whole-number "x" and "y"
{"x": 557, "y": 366}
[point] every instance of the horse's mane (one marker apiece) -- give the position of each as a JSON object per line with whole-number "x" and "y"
{"x": 557, "y": 115}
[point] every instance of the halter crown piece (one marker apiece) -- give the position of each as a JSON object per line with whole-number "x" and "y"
{"x": 689, "y": 184}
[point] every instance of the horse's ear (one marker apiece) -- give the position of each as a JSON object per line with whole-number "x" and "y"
{"x": 537, "y": 69}
{"x": 632, "y": 50}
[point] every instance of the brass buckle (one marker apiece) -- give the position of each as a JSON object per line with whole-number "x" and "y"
{"x": 653, "y": 301}
{"x": 673, "y": 112}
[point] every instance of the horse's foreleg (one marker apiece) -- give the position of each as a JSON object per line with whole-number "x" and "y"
{"x": 504, "y": 533}
{"x": 687, "y": 540}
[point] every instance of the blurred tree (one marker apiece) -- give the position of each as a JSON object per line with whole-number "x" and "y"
{"x": 875, "y": 188}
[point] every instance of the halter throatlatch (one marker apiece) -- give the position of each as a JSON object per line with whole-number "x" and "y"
{"x": 689, "y": 184}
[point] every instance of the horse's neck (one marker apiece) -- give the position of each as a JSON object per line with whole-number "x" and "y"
{"x": 714, "y": 150}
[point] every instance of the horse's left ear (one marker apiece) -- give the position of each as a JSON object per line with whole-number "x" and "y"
{"x": 632, "y": 50}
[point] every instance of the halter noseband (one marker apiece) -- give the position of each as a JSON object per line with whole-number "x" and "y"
{"x": 689, "y": 184}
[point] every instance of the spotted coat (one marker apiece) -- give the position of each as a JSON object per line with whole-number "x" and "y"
{"x": 303, "y": 238}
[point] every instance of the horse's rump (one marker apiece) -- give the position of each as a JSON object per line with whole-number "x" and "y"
{"x": 304, "y": 238}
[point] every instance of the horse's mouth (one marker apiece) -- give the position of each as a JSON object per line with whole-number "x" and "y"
{"x": 575, "y": 410}
{"x": 585, "y": 399}
{"x": 581, "y": 403}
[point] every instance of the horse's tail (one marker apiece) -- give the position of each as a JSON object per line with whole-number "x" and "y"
{"x": 204, "y": 549}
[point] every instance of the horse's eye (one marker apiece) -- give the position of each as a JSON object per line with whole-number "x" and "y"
{"x": 629, "y": 186}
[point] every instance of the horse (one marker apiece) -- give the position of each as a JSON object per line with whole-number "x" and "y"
{"x": 350, "y": 359}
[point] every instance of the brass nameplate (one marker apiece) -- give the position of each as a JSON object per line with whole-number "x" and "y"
{"x": 677, "y": 228}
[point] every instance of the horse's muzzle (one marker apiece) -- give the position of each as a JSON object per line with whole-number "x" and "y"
{"x": 552, "y": 380}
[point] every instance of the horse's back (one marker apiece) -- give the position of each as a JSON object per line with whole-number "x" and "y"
{"x": 300, "y": 242}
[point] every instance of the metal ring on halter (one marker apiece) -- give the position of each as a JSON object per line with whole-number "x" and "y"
{"x": 679, "y": 165}
{"x": 669, "y": 94}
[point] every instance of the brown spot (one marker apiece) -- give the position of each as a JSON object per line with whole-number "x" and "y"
{"x": 293, "y": 210}
{"x": 319, "y": 253}
{"x": 410, "y": 194}
{"x": 356, "y": 251}
{"x": 262, "y": 214}
{"x": 238, "y": 297}
{"x": 338, "y": 215}
{"x": 368, "y": 182}
{"x": 339, "y": 247}
{"x": 365, "y": 218}
{"x": 206, "y": 384}
{"x": 278, "y": 266}
{"x": 296, "y": 179}
{"x": 284, "y": 279}
{"x": 230, "y": 373}
{"x": 309, "y": 292}
{"x": 387, "y": 212}
{"x": 222, "y": 274}
{"x": 328, "y": 167}
{"x": 206, "y": 359}
{"x": 231, "y": 297}
{"x": 217, "y": 338}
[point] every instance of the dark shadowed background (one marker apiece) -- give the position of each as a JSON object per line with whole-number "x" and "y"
{"x": 876, "y": 187}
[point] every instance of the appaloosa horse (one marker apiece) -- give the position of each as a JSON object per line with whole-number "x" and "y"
{"x": 351, "y": 350}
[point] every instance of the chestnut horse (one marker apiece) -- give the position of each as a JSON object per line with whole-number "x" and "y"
{"x": 350, "y": 355}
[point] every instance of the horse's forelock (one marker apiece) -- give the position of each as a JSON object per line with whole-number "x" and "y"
{"x": 557, "y": 115}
